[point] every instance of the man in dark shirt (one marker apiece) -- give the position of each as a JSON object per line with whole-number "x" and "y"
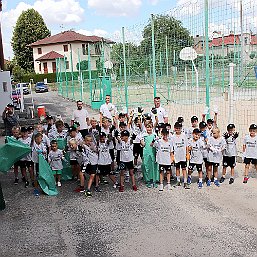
{"x": 10, "y": 119}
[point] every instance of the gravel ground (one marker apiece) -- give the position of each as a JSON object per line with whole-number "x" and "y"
{"x": 208, "y": 222}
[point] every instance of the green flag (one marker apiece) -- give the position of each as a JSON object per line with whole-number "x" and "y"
{"x": 46, "y": 178}
{"x": 12, "y": 152}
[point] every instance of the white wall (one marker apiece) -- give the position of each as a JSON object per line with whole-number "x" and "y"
{"x": 5, "y": 97}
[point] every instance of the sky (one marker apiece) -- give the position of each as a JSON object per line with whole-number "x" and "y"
{"x": 90, "y": 17}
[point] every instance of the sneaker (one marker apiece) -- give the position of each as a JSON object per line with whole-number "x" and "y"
{"x": 36, "y": 192}
{"x": 208, "y": 183}
{"x": 26, "y": 184}
{"x": 231, "y": 181}
{"x": 16, "y": 181}
{"x": 172, "y": 178}
{"x": 105, "y": 182}
{"x": 178, "y": 184}
{"x": 88, "y": 193}
{"x": 186, "y": 186}
{"x": 121, "y": 189}
{"x": 200, "y": 185}
{"x": 97, "y": 189}
{"x": 222, "y": 179}
{"x": 189, "y": 180}
{"x": 245, "y": 180}
{"x": 59, "y": 184}
{"x": 79, "y": 190}
{"x": 134, "y": 188}
{"x": 216, "y": 183}
{"x": 168, "y": 186}
{"x": 127, "y": 179}
{"x": 23, "y": 179}
{"x": 155, "y": 185}
{"x": 161, "y": 187}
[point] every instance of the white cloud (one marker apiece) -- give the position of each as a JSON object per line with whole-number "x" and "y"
{"x": 95, "y": 32}
{"x": 54, "y": 13}
{"x": 115, "y": 7}
{"x": 154, "y": 2}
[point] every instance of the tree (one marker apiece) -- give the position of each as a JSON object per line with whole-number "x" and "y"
{"x": 178, "y": 37}
{"x": 83, "y": 65}
{"x": 30, "y": 27}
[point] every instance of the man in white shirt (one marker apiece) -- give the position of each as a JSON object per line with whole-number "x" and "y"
{"x": 107, "y": 109}
{"x": 81, "y": 116}
{"x": 161, "y": 112}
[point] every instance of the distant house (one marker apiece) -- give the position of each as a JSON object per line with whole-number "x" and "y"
{"x": 224, "y": 45}
{"x": 69, "y": 47}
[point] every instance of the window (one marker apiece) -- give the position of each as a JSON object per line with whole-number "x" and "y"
{"x": 39, "y": 66}
{"x": 5, "y": 86}
{"x": 67, "y": 65}
{"x": 54, "y": 67}
{"x": 97, "y": 49}
{"x": 84, "y": 49}
{"x": 39, "y": 50}
{"x": 65, "y": 48}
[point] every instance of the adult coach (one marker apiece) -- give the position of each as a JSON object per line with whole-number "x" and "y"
{"x": 10, "y": 119}
{"x": 107, "y": 109}
{"x": 82, "y": 117}
{"x": 161, "y": 112}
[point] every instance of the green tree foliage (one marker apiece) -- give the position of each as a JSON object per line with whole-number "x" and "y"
{"x": 30, "y": 27}
{"x": 83, "y": 65}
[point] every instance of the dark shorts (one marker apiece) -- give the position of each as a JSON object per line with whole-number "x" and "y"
{"x": 250, "y": 160}
{"x": 83, "y": 132}
{"x": 118, "y": 157}
{"x": 229, "y": 161}
{"x": 181, "y": 165}
{"x": 137, "y": 150}
{"x": 164, "y": 168}
{"x": 91, "y": 169}
{"x": 26, "y": 164}
{"x": 126, "y": 165}
{"x": 199, "y": 167}
{"x": 17, "y": 164}
{"x": 213, "y": 164}
{"x": 205, "y": 160}
{"x": 112, "y": 154}
{"x": 104, "y": 169}
{"x": 73, "y": 162}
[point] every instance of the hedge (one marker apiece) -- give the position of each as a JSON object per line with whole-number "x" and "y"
{"x": 51, "y": 77}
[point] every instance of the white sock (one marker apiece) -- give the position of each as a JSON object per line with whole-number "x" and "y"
{"x": 185, "y": 180}
{"x": 215, "y": 179}
{"x": 178, "y": 178}
{"x": 200, "y": 180}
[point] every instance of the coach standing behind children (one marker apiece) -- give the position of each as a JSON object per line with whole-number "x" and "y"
{"x": 161, "y": 112}
{"x": 107, "y": 109}
{"x": 81, "y": 116}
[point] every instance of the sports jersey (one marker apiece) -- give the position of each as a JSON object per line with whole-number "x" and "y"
{"x": 54, "y": 134}
{"x": 55, "y": 159}
{"x": 136, "y": 131}
{"x": 26, "y": 141}
{"x": 45, "y": 140}
{"x": 36, "y": 149}
{"x": 231, "y": 148}
{"x": 215, "y": 148}
{"x": 164, "y": 149}
{"x": 189, "y": 132}
{"x": 126, "y": 151}
{"x": 161, "y": 114}
{"x": 81, "y": 116}
{"x": 196, "y": 152}
{"x": 91, "y": 153}
{"x": 251, "y": 146}
{"x": 106, "y": 110}
{"x": 180, "y": 144}
{"x": 78, "y": 138}
{"x": 104, "y": 157}
{"x": 107, "y": 131}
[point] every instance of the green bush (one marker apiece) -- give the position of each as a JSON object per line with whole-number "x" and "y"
{"x": 51, "y": 77}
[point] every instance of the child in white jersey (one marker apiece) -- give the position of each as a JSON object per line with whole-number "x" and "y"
{"x": 126, "y": 160}
{"x": 230, "y": 153}
{"x": 55, "y": 158}
{"x": 181, "y": 155}
{"x": 196, "y": 147}
{"x": 164, "y": 157}
{"x": 250, "y": 150}
{"x": 194, "y": 125}
{"x": 216, "y": 144}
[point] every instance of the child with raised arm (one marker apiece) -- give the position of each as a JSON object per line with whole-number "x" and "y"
{"x": 216, "y": 144}
{"x": 164, "y": 157}
{"x": 149, "y": 165}
{"x": 55, "y": 158}
{"x": 250, "y": 151}
{"x": 195, "y": 147}
{"x": 230, "y": 153}
{"x": 181, "y": 154}
{"x": 126, "y": 160}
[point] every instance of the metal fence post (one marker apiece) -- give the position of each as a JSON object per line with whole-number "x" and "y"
{"x": 153, "y": 55}
{"x": 231, "y": 92}
{"x": 125, "y": 68}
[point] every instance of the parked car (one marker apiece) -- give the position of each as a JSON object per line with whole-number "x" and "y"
{"x": 41, "y": 87}
{"x": 24, "y": 86}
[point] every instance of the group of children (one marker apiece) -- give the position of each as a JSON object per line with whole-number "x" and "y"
{"x": 112, "y": 149}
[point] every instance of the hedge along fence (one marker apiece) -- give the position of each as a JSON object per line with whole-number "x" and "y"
{"x": 51, "y": 77}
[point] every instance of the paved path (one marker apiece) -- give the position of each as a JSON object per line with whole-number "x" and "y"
{"x": 208, "y": 222}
